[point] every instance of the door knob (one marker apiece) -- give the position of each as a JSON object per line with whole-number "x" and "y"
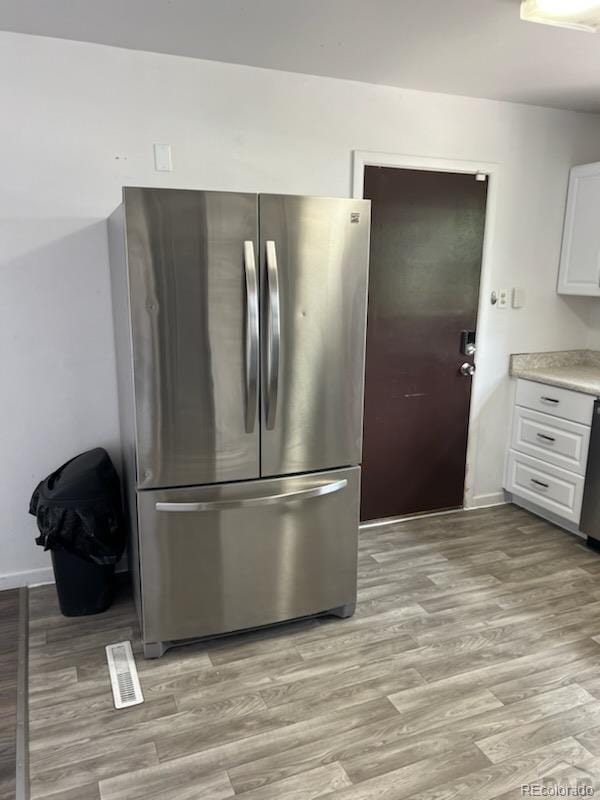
{"x": 466, "y": 369}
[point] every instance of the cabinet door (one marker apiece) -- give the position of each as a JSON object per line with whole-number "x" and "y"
{"x": 580, "y": 257}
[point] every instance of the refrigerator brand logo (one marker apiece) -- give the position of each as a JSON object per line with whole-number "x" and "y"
{"x": 354, "y": 217}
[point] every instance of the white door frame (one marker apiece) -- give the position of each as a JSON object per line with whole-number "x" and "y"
{"x": 364, "y": 158}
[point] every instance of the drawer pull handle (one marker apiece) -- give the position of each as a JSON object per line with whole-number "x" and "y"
{"x": 540, "y": 483}
{"x": 317, "y": 490}
{"x": 550, "y": 400}
{"x": 545, "y": 437}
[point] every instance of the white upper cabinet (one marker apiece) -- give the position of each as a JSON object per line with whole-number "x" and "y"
{"x": 579, "y": 271}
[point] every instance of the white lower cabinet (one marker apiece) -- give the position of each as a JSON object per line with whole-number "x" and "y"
{"x": 546, "y": 462}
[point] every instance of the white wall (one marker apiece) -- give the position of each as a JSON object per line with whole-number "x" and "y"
{"x": 594, "y": 332}
{"x": 78, "y": 121}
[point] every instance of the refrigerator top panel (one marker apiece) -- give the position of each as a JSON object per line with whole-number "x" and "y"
{"x": 194, "y": 318}
{"x": 314, "y": 256}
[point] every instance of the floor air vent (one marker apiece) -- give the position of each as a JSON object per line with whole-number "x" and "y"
{"x": 124, "y": 679}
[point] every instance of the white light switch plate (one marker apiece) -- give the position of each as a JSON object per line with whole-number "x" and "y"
{"x": 162, "y": 158}
{"x": 518, "y": 297}
{"x": 502, "y": 298}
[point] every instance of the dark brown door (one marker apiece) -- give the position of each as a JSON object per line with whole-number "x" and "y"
{"x": 426, "y": 247}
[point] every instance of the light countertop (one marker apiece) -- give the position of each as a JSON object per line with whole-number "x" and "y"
{"x": 578, "y": 370}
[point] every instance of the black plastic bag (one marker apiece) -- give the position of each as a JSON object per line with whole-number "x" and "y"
{"x": 78, "y": 509}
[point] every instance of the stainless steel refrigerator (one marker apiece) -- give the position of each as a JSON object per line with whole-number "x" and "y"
{"x": 240, "y": 331}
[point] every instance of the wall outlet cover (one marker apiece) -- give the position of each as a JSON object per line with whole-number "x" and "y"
{"x": 502, "y": 298}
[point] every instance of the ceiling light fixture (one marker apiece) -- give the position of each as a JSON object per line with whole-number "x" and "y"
{"x": 581, "y": 15}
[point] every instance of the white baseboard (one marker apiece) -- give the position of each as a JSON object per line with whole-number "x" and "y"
{"x": 486, "y": 500}
{"x": 32, "y": 577}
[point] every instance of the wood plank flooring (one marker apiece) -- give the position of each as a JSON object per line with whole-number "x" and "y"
{"x": 9, "y": 622}
{"x": 471, "y": 667}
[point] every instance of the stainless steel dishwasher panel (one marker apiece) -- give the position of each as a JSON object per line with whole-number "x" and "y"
{"x": 222, "y": 558}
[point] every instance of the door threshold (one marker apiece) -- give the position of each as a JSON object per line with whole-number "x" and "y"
{"x": 395, "y": 520}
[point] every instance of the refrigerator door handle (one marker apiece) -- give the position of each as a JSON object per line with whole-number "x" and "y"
{"x": 247, "y": 502}
{"x": 251, "y": 336}
{"x": 274, "y": 334}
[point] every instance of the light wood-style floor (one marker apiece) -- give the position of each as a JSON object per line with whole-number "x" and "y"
{"x": 472, "y": 667}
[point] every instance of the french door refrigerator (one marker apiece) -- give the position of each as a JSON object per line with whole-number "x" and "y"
{"x": 240, "y": 330}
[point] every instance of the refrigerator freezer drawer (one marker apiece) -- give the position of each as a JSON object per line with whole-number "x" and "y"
{"x": 222, "y": 558}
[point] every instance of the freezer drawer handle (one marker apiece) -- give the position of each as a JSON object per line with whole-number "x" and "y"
{"x": 545, "y": 437}
{"x": 248, "y": 502}
{"x": 274, "y": 334}
{"x": 540, "y": 483}
{"x": 550, "y": 400}
{"x": 251, "y": 336}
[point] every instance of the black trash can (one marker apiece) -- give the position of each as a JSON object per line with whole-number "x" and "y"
{"x": 82, "y": 586}
{"x": 78, "y": 511}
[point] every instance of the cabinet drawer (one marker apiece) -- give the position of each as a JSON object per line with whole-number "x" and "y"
{"x": 558, "y": 441}
{"x": 550, "y": 487}
{"x": 563, "y": 403}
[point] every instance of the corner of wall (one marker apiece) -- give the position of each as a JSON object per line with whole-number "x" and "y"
{"x": 593, "y": 339}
